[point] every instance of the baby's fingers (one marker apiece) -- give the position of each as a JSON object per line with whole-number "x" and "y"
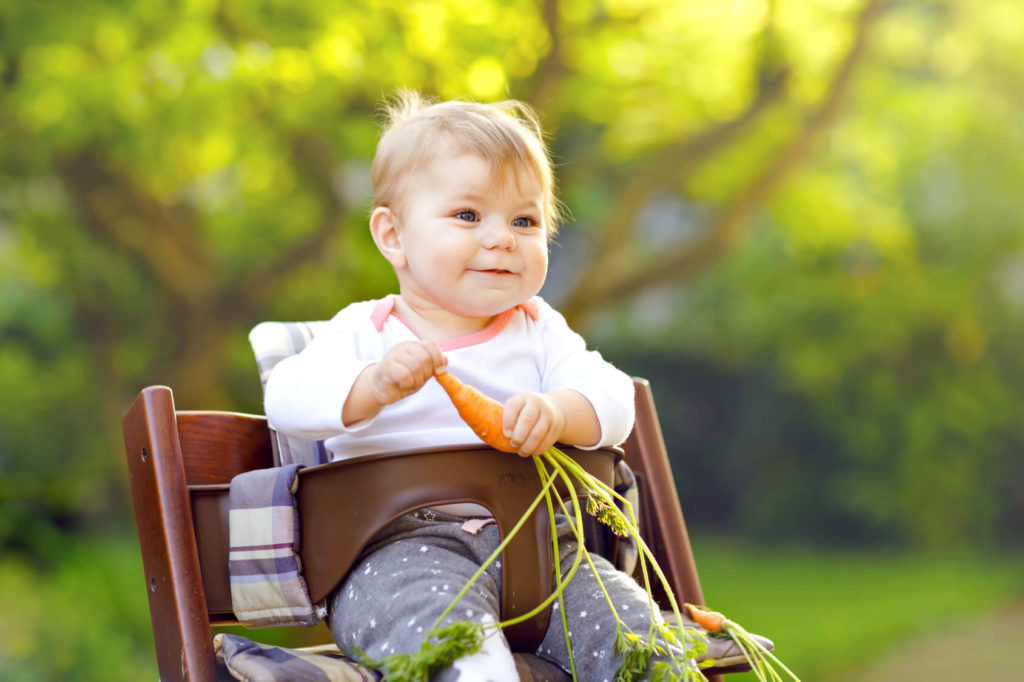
{"x": 438, "y": 361}
{"x": 510, "y": 414}
{"x": 528, "y": 425}
{"x": 408, "y": 366}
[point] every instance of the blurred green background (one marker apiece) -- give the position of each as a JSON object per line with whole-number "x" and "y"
{"x": 801, "y": 219}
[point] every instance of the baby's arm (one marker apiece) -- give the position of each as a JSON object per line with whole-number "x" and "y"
{"x": 401, "y": 372}
{"x": 533, "y": 422}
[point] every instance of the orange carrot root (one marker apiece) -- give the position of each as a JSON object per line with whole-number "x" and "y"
{"x": 709, "y": 620}
{"x": 480, "y": 412}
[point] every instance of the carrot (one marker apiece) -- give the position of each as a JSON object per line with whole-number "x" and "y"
{"x": 763, "y": 663}
{"x": 709, "y": 620}
{"x": 480, "y": 412}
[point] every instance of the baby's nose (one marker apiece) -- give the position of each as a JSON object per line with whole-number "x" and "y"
{"x": 498, "y": 235}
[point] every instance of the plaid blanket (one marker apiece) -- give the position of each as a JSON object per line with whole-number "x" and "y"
{"x": 255, "y": 662}
{"x": 267, "y": 586}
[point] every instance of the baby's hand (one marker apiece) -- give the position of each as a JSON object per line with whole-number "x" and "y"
{"x": 532, "y": 422}
{"x": 404, "y": 370}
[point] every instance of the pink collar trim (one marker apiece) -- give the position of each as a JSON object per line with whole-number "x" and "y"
{"x": 386, "y": 308}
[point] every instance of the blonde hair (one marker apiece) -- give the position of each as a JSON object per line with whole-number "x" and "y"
{"x": 417, "y": 130}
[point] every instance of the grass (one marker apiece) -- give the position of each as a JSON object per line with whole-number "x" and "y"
{"x": 84, "y": 619}
{"x": 830, "y": 611}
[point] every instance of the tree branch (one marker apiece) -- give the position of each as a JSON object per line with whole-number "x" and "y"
{"x": 677, "y": 162}
{"x": 615, "y": 284}
{"x": 671, "y": 167}
{"x": 723, "y": 228}
{"x": 162, "y": 240}
{"x": 310, "y": 155}
{"x": 539, "y": 89}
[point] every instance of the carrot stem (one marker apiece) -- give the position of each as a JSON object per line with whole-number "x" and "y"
{"x": 634, "y": 532}
{"x": 544, "y": 604}
{"x": 559, "y": 460}
{"x": 497, "y": 552}
{"x": 560, "y": 587}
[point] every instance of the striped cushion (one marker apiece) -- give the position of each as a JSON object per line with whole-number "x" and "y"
{"x": 249, "y": 660}
{"x": 267, "y": 585}
{"x": 272, "y": 342}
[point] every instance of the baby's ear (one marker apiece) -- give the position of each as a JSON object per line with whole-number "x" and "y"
{"x": 384, "y": 228}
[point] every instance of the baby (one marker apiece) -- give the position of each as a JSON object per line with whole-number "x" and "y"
{"x": 464, "y": 207}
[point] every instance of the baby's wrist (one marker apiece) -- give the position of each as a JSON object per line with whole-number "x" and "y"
{"x": 382, "y": 391}
{"x": 579, "y": 424}
{"x": 362, "y": 401}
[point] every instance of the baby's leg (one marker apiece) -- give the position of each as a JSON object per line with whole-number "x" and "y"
{"x": 591, "y": 624}
{"x": 391, "y": 598}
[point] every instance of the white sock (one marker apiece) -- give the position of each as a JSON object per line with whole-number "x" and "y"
{"x": 492, "y": 663}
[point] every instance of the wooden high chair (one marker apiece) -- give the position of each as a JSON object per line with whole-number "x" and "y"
{"x": 181, "y": 462}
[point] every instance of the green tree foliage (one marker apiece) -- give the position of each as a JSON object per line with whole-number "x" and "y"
{"x": 813, "y": 199}
{"x": 866, "y": 332}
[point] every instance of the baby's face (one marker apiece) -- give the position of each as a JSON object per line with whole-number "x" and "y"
{"x": 474, "y": 238}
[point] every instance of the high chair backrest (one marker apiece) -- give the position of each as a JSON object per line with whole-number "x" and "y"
{"x": 661, "y": 515}
{"x": 180, "y": 464}
{"x": 167, "y": 452}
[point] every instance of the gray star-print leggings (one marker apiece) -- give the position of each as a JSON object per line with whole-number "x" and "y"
{"x": 416, "y": 565}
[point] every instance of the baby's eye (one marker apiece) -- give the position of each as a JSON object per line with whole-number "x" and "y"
{"x": 468, "y": 216}
{"x": 523, "y": 221}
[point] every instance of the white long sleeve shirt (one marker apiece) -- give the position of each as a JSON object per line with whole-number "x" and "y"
{"x": 528, "y": 348}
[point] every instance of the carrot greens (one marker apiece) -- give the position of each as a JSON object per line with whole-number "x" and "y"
{"x": 676, "y": 646}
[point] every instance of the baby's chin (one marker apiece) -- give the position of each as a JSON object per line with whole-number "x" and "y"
{"x": 485, "y": 310}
